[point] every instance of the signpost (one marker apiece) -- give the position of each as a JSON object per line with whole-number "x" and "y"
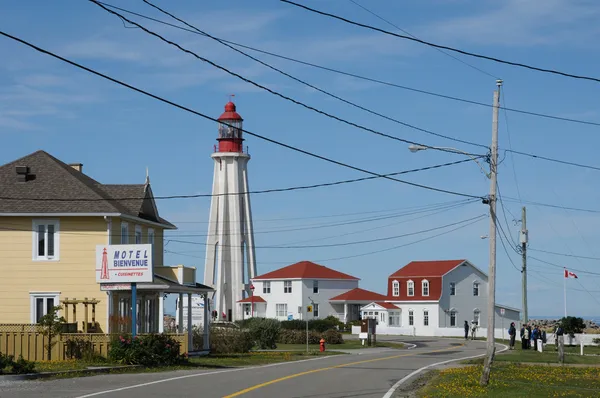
{"x": 252, "y": 301}
{"x": 502, "y": 318}
{"x": 120, "y": 264}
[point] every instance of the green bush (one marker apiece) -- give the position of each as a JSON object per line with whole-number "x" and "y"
{"x": 333, "y": 337}
{"x": 148, "y": 350}
{"x": 230, "y": 341}
{"x": 319, "y": 325}
{"x": 265, "y": 332}
{"x": 298, "y": 337}
{"x": 596, "y": 340}
{"x": 82, "y": 349}
{"x": 572, "y": 325}
{"x": 22, "y": 366}
{"x": 295, "y": 324}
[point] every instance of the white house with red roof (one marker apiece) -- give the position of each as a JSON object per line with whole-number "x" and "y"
{"x": 287, "y": 292}
{"x": 435, "y": 298}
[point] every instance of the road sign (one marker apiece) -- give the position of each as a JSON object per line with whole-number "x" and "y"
{"x": 290, "y": 317}
{"x": 309, "y": 308}
{"x": 502, "y": 311}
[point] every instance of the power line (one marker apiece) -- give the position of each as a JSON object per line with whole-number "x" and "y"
{"x": 313, "y": 86}
{"x": 564, "y": 254}
{"x": 565, "y": 162}
{"x": 562, "y": 266}
{"x": 433, "y": 205}
{"x": 215, "y": 120}
{"x": 272, "y": 190}
{"x": 471, "y": 54}
{"x": 551, "y": 205}
{"x": 372, "y": 80}
{"x": 514, "y": 170}
{"x": 411, "y": 35}
{"x": 276, "y": 93}
{"x": 504, "y": 247}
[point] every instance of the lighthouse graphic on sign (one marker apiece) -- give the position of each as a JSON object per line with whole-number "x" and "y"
{"x": 104, "y": 269}
{"x": 230, "y": 258}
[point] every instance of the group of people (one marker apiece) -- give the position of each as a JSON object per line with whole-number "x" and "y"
{"x": 529, "y": 336}
{"x": 472, "y": 329}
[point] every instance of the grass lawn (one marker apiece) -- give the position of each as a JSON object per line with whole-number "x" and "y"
{"x": 348, "y": 345}
{"x": 514, "y": 380}
{"x": 548, "y": 356}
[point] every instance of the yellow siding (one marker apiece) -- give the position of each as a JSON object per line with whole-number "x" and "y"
{"x": 72, "y": 276}
{"x": 158, "y": 237}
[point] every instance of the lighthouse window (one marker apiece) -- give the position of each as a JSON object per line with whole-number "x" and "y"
{"x": 45, "y": 240}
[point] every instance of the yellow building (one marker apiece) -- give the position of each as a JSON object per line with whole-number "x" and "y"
{"x": 52, "y": 216}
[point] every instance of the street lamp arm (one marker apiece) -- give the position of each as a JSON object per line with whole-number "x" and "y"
{"x": 416, "y": 148}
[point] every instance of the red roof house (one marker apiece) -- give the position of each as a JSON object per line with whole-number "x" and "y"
{"x": 420, "y": 280}
{"x": 305, "y": 270}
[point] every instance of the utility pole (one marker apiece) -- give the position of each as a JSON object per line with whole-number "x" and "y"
{"x": 523, "y": 241}
{"x": 491, "y": 308}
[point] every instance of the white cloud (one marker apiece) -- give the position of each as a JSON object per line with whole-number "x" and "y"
{"x": 522, "y": 23}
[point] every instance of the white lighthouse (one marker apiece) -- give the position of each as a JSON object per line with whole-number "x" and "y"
{"x": 230, "y": 258}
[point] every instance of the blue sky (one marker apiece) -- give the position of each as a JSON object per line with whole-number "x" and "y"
{"x": 116, "y": 133}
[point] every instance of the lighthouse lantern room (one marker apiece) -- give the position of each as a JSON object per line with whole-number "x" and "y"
{"x": 230, "y": 256}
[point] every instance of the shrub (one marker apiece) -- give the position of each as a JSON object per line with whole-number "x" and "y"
{"x": 572, "y": 325}
{"x": 52, "y": 325}
{"x": 295, "y": 324}
{"x": 82, "y": 349}
{"x": 230, "y": 341}
{"x": 596, "y": 340}
{"x": 265, "y": 332}
{"x": 147, "y": 350}
{"x": 333, "y": 337}
{"x": 5, "y": 361}
{"x": 298, "y": 337}
{"x": 23, "y": 366}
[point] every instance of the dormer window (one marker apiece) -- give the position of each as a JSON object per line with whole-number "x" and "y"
{"x": 410, "y": 287}
{"x": 395, "y": 288}
{"x": 425, "y": 287}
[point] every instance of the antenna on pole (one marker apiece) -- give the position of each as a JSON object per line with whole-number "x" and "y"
{"x": 231, "y": 97}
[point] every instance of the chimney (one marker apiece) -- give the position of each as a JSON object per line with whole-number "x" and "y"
{"x": 77, "y": 166}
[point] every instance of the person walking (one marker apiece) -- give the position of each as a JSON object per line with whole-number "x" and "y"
{"x": 466, "y": 330}
{"x": 512, "y": 332}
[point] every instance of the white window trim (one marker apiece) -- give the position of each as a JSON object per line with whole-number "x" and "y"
{"x": 411, "y": 313}
{"x": 452, "y": 283}
{"x": 316, "y": 284}
{"x": 395, "y": 284}
{"x": 266, "y": 285}
{"x": 153, "y": 234}
{"x": 410, "y": 284}
{"x": 124, "y": 224}
{"x": 35, "y": 295}
{"x": 138, "y": 229}
{"x": 277, "y": 311}
{"x": 423, "y": 282}
{"x": 316, "y": 309}
{"x": 425, "y": 316}
{"x": 290, "y": 285}
{"x": 478, "y": 289}
{"x": 34, "y": 246}
{"x": 453, "y": 310}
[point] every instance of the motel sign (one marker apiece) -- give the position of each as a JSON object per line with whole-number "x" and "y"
{"x": 124, "y": 263}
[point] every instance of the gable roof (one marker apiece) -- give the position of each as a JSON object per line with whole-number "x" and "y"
{"x": 359, "y": 294}
{"x": 55, "y": 187}
{"x": 252, "y": 299}
{"x": 382, "y": 304}
{"x": 427, "y": 268}
{"x": 305, "y": 270}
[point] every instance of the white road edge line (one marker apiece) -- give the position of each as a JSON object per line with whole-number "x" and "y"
{"x": 94, "y": 394}
{"x": 416, "y": 372}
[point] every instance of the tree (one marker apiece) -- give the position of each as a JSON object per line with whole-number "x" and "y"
{"x": 572, "y": 325}
{"x": 52, "y": 325}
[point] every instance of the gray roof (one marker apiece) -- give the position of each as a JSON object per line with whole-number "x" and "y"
{"x": 55, "y": 187}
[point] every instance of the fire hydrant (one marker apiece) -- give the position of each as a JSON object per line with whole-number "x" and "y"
{"x": 322, "y": 345}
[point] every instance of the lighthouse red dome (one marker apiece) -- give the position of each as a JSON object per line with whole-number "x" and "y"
{"x": 230, "y": 113}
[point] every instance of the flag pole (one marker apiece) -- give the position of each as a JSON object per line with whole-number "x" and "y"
{"x": 565, "y": 288}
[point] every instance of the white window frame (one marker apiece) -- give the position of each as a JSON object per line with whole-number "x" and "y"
{"x": 425, "y": 284}
{"x": 34, "y": 253}
{"x": 124, "y": 239}
{"x": 287, "y": 287}
{"x": 410, "y": 288}
{"x": 453, "y": 312}
{"x": 138, "y": 232}
{"x": 315, "y": 286}
{"x": 151, "y": 236}
{"x": 382, "y": 317}
{"x": 452, "y": 288}
{"x": 396, "y": 289}
{"x": 475, "y": 284}
{"x": 477, "y": 316}
{"x": 33, "y": 296}
{"x": 267, "y": 287}
{"x": 425, "y": 317}
{"x": 281, "y": 308}
{"x": 316, "y": 310}
{"x": 411, "y": 317}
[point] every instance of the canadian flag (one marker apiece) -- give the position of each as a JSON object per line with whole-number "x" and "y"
{"x": 569, "y": 274}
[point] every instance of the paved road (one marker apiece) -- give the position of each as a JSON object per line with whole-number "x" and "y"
{"x": 365, "y": 373}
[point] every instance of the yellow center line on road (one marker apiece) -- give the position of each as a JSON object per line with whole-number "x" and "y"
{"x": 268, "y": 383}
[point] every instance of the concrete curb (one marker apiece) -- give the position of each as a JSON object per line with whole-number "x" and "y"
{"x": 46, "y": 375}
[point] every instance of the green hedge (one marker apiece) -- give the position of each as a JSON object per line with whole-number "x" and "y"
{"x": 288, "y": 336}
{"x": 148, "y": 350}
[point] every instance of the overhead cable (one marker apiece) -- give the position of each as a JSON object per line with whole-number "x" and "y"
{"x": 471, "y": 54}
{"x": 296, "y": 149}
